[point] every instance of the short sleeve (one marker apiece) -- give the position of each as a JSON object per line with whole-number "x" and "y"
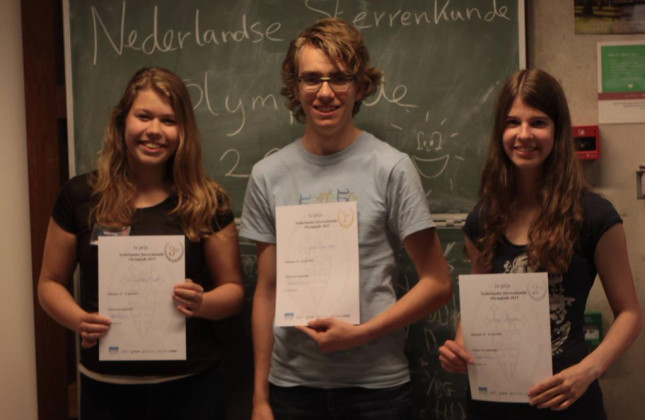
{"x": 599, "y": 216}
{"x": 472, "y": 227}
{"x": 406, "y": 201}
{"x": 258, "y": 217}
{"x": 222, "y": 220}
{"x": 72, "y": 199}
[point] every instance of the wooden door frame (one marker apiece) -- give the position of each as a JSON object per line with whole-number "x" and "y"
{"x": 44, "y": 78}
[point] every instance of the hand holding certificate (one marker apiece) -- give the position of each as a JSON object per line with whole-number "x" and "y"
{"x": 136, "y": 279}
{"x": 317, "y": 263}
{"x": 506, "y": 328}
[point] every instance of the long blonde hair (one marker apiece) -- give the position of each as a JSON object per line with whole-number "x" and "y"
{"x": 553, "y": 235}
{"x": 113, "y": 187}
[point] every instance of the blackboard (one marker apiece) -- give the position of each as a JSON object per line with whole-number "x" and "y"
{"x": 444, "y": 61}
{"x": 436, "y": 394}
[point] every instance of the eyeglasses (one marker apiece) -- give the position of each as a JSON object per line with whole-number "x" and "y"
{"x": 338, "y": 84}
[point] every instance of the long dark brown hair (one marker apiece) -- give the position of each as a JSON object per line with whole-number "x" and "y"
{"x": 555, "y": 229}
{"x": 113, "y": 185}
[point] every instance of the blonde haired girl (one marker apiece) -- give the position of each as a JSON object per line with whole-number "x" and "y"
{"x": 150, "y": 181}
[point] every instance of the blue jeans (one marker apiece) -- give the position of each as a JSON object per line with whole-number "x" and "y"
{"x": 198, "y": 396}
{"x": 304, "y": 403}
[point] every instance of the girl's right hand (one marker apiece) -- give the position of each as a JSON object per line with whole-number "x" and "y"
{"x": 93, "y": 326}
{"x": 454, "y": 357}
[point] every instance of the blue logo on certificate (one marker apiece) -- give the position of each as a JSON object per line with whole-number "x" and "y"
{"x": 288, "y": 315}
{"x": 113, "y": 350}
{"x": 483, "y": 390}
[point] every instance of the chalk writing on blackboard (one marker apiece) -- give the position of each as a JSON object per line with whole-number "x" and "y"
{"x": 441, "y": 11}
{"x": 169, "y": 40}
{"x": 442, "y": 62}
{"x": 199, "y": 33}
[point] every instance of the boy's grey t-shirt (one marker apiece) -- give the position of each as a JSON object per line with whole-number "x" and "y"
{"x": 391, "y": 205}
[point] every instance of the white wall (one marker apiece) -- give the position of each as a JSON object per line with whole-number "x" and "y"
{"x": 17, "y": 354}
{"x": 571, "y": 58}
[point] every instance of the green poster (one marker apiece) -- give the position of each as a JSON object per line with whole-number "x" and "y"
{"x": 623, "y": 68}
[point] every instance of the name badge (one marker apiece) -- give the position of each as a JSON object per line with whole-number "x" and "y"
{"x": 98, "y": 230}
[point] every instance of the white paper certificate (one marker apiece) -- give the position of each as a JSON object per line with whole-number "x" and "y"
{"x": 136, "y": 279}
{"x": 317, "y": 263}
{"x": 506, "y": 327}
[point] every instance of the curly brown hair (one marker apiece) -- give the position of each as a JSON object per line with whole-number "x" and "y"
{"x": 344, "y": 45}
{"x": 113, "y": 186}
{"x": 555, "y": 230}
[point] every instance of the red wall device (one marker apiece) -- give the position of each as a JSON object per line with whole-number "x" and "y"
{"x": 587, "y": 140}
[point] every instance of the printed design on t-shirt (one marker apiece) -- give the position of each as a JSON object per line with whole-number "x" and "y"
{"x": 331, "y": 195}
{"x": 558, "y": 302}
{"x": 519, "y": 265}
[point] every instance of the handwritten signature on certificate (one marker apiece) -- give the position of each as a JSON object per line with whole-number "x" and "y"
{"x": 136, "y": 279}
{"x": 317, "y": 263}
{"x": 506, "y": 327}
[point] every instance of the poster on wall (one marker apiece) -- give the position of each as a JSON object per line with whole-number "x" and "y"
{"x": 621, "y": 82}
{"x": 609, "y": 16}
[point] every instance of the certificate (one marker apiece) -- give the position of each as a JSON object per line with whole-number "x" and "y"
{"x": 317, "y": 263}
{"x": 136, "y": 279}
{"x": 506, "y": 327}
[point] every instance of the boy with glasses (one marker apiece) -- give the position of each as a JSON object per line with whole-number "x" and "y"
{"x": 330, "y": 368}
